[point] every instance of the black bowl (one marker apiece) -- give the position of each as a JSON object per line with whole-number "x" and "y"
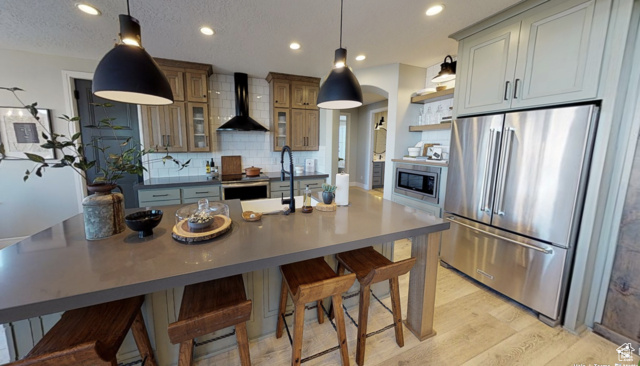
{"x": 143, "y": 221}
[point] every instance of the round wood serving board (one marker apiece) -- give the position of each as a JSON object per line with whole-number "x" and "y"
{"x": 324, "y": 207}
{"x": 181, "y": 232}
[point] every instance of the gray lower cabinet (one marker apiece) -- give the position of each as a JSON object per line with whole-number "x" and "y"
{"x": 279, "y": 189}
{"x": 378, "y": 174}
{"x": 177, "y": 196}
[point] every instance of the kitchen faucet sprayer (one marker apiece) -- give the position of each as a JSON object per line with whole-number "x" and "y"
{"x": 291, "y": 201}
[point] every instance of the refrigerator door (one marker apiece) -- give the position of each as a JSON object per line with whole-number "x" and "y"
{"x": 473, "y": 161}
{"x": 526, "y": 270}
{"x": 543, "y": 163}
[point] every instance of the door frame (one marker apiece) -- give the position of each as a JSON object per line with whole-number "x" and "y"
{"x": 71, "y": 109}
{"x": 346, "y": 138}
{"x": 370, "y": 129}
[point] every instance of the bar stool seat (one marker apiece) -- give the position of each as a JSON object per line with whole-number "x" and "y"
{"x": 210, "y": 306}
{"x": 372, "y": 267}
{"x": 311, "y": 281}
{"x": 92, "y": 336}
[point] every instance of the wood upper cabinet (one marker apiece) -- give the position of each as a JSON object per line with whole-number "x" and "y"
{"x": 297, "y": 123}
{"x": 550, "y": 54}
{"x": 176, "y": 80}
{"x": 196, "y": 86}
{"x": 304, "y": 96}
{"x": 184, "y": 125}
{"x": 280, "y": 94}
{"x": 165, "y": 127}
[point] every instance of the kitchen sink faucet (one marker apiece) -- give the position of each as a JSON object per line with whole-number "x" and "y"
{"x": 291, "y": 201}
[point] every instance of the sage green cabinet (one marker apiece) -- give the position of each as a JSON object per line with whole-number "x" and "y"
{"x": 550, "y": 54}
{"x": 177, "y": 196}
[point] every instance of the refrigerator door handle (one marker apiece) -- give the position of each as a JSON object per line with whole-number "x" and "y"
{"x": 504, "y": 165}
{"x": 485, "y": 191}
{"x": 529, "y": 246}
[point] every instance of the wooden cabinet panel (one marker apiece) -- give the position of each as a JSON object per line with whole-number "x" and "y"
{"x": 297, "y": 96}
{"x": 304, "y": 96}
{"x": 312, "y": 97}
{"x": 176, "y": 81}
{"x": 312, "y": 127}
{"x": 555, "y": 69}
{"x": 153, "y": 127}
{"x": 487, "y": 66}
{"x": 298, "y": 129}
{"x": 196, "y": 86}
{"x": 176, "y": 123}
{"x": 198, "y": 127}
{"x": 281, "y": 94}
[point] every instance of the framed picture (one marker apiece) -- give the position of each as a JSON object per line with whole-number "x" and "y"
{"x": 21, "y": 133}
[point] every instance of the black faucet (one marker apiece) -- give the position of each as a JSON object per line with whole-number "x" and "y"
{"x": 291, "y": 201}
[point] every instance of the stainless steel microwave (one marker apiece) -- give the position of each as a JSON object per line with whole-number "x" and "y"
{"x": 418, "y": 182}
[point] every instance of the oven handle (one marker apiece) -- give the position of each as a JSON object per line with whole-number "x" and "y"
{"x": 252, "y": 184}
{"x": 543, "y": 250}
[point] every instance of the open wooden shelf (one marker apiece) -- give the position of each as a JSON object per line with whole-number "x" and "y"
{"x": 433, "y": 97}
{"x": 439, "y": 126}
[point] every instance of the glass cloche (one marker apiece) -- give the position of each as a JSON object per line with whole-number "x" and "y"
{"x": 200, "y": 215}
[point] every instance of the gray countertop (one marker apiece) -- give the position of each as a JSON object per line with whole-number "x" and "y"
{"x": 57, "y": 269}
{"x": 199, "y": 180}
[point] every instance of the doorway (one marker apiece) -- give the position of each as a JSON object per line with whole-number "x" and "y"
{"x": 126, "y": 117}
{"x": 343, "y": 143}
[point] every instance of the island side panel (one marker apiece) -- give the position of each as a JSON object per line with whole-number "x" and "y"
{"x": 422, "y": 285}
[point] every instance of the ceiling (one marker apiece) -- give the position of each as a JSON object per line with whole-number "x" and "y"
{"x": 252, "y": 36}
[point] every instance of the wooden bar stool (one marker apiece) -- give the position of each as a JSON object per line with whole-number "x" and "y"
{"x": 311, "y": 281}
{"x": 372, "y": 267}
{"x": 92, "y": 336}
{"x": 210, "y": 306}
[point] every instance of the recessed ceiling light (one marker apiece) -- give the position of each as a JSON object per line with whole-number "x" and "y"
{"x": 294, "y": 46}
{"x": 206, "y": 30}
{"x": 360, "y": 57}
{"x": 88, "y": 9}
{"x": 435, "y": 9}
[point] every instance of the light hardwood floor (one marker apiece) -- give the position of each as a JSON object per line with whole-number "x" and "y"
{"x": 475, "y": 326}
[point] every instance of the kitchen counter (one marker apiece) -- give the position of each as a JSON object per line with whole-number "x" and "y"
{"x": 57, "y": 269}
{"x": 422, "y": 162}
{"x": 170, "y": 182}
{"x": 306, "y": 175}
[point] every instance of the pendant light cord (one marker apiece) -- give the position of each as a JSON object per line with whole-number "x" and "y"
{"x": 128, "y": 10}
{"x": 341, "y": 9}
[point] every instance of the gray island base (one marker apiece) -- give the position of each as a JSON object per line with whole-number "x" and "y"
{"x": 57, "y": 269}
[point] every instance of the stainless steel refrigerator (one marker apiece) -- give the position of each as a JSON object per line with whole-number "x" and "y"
{"x": 515, "y": 192}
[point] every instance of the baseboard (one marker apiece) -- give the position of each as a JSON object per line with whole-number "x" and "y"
{"x": 613, "y": 336}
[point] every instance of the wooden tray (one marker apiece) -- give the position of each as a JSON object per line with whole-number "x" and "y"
{"x": 321, "y": 206}
{"x": 181, "y": 232}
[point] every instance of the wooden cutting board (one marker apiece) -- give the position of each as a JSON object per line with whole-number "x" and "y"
{"x": 181, "y": 231}
{"x": 231, "y": 165}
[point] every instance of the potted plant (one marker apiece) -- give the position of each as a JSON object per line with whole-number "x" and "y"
{"x": 100, "y": 221}
{"x": 328, "y": 192}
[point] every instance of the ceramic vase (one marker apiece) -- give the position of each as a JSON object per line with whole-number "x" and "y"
{"x": 327, "y": 197}
{"x": 103, "y": 212}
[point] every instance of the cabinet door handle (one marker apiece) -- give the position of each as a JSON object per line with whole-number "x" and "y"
{"x": 206, "y": 140}
{"x": 515, "y": 89}
{"x": 506, "y": 90}
{"x": 276, "y": 101}
{"x": 168, "y": 140}
{"x": 160, "y": 195}
{"x": 202, "y": 192}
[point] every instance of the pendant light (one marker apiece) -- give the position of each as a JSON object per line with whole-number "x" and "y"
{"x": 447, "y": 71}
{"x": 341, "y": 89}
{"x": 128, "y": 73}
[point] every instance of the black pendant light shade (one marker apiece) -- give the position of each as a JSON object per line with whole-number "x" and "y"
{"x": 447, "y": 71}
{"x": 340, "y": 89}
{"x": 128, "y": 73}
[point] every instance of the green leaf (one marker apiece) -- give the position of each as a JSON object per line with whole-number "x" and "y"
{"x": 44, "y": 136}
{"x": 76, "y": 136}
{"x": 34, "y": 157}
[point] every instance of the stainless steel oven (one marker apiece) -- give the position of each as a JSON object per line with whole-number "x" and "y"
{"x": 246, "y": 189}
{"x": 417, "y": 181}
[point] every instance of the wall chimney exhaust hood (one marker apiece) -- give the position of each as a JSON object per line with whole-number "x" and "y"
{"x": 242, "y": 121}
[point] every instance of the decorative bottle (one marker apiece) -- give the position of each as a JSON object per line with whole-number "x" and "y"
{"x": 306, "y": 201}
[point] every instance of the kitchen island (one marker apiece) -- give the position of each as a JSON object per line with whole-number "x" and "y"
{"x": 57, "y": 269}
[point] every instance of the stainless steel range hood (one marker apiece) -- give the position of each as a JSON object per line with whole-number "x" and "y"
{"x": 242, "y": 121}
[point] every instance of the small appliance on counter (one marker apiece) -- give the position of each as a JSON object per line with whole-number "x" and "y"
{"x": 310, "y": 165}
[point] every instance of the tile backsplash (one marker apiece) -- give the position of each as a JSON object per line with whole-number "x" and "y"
{"x": 256, "y": 148}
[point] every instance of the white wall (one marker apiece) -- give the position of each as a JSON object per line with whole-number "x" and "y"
{"x": 29, "y": 207}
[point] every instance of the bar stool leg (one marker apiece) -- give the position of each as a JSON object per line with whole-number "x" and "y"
{"x": 340, "y": 271}
{"x": 298, "y": 325}
{"x": 320, "y": 312}
{"x": 186, "y": 353}
{"x": 141, "y": 337}
{"x": 363, "y": 317}
{"x": 282, "y": 308}
{"x": 395, "y": 308}
{"x": 243, "y": 344}
{"x": 342, "y": 334}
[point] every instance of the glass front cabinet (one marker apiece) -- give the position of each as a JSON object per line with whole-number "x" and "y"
{"x": 198, "y": 127}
